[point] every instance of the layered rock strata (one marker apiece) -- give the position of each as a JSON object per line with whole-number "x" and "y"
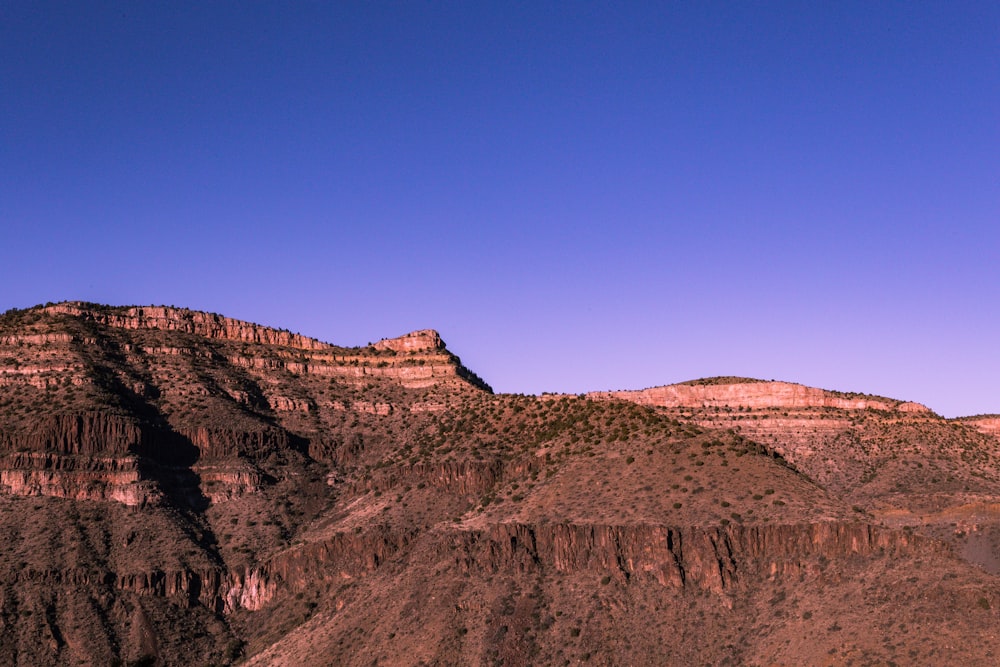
{"x": 757, "y": 395}
{"x": 717, "y": 558}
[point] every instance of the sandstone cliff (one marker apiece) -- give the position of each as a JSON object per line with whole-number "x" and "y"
{"x": 758, "y": 395}
{"x": 208, "y": 325}
{"x": 988, "y": 424}
{"x": 862, "y": 445}
{"x": 179, "y": 487}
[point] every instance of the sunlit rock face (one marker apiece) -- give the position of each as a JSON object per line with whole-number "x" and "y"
{"x": 758, "y": 394}
{"x": 179, "y": 487}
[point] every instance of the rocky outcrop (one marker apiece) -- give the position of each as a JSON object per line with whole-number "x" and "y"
{"x": 104, "y": 434}
{"x": 101, "y": 456}
{"x": 47, "y": 351}
{"x": 415, "y": 370}
{"x": 339, "y": 557}
{"x": 756, "y": 395}
{"x": 117, "y": 479}
{"x": 719, "y": 559}
{"x": 224, "y": 481}
{"x": 425, "y": 340}
{"x": 219, "y": 434}
{"x": 842, "y": 441}
{"x": 715, "y": 558}
{"x": 221, "y": 443}
{"x": 288, "y": 404}
{"x": 194, "y": 322}
{"x": 36, "y": 339}
{"x": 988, "y": 424}
{"x": 468, "y": 478}
{"x": 204, "y": 586}
{"x": 91, "y": 433}
{"x": 464, "y": 478}
{"x": 41, "y": 377}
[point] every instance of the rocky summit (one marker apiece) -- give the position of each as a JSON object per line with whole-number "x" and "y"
{"x": 182, "y": 488}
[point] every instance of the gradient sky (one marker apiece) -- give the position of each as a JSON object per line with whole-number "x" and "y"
{"x": 578, "y": 196}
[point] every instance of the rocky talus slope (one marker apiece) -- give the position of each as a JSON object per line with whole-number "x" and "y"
{"x": 181, "y": 488}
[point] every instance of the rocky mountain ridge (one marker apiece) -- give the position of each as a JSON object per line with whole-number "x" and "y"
{"x": 169, "y": 318}
{"x": 179, "y": 487}
{"x": 757, "y": 394}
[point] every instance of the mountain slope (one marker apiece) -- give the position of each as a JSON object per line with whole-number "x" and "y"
{"x": 178, "y": 487}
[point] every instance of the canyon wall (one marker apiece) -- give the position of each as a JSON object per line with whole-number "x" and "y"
{"x": 719, "y": 559}
{"x": 166, "y": 318}
{"x": 716, "y": 558}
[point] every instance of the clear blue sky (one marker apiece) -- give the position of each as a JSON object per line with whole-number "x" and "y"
{"x": 578, "y": 196}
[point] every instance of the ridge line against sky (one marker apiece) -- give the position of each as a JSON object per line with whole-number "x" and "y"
{"x": 578, "y": 197}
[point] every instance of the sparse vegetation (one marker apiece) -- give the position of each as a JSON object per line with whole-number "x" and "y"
{"x": 346, "y": 487}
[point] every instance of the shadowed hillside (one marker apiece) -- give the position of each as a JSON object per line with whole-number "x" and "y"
{"x": 182, "y": 488}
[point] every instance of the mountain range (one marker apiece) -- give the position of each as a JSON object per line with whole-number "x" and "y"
{"x": 182, "y": 488}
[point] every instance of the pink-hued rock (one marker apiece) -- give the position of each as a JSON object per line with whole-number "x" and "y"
{"x": 208, "y": 325}
{"x": 756, "y": 395}
{"x": 988, "y": 424}
{"x": 426, "y": 340}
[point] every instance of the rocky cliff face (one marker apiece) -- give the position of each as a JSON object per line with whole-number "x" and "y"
{"x": 123, "y": 401}
{"x": 179, "y": 487}
{"x": 864, "y": 446}
{"x": 758, "y": 395}
{"x": 207, "y": 325}
{"x": 418, "y": 341}
{"x": 116, "y": 479}
{"x": 716, "y": 558}
{"x": 988, "y": 424}
{"x": 525, "y": 594}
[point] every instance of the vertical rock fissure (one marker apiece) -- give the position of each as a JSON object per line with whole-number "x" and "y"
{"x": 674, "y": 547}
